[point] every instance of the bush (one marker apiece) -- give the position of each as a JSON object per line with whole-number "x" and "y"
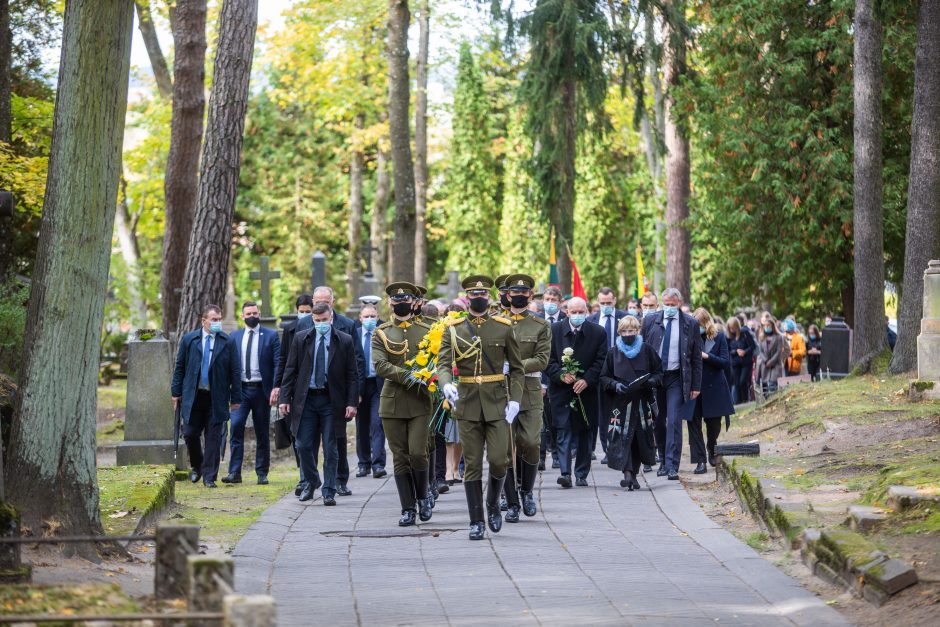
{"x": 14, "y": 297}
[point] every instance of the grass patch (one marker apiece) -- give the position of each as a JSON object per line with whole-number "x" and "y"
{"x": 112, "y": 397}
{"x": 915, "y": 471}
{"x": 920, "y": 520}
{"x": 67, "y": 600}
{"x": 111, "y": 433}
{"x": 757, "y": 540}
{"x": 128, "y": 493}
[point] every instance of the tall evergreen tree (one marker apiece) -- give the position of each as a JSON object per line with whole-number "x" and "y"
{"x": 472, "y": 216}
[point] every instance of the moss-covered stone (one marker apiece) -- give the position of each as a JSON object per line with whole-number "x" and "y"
{"x": 132, "y": 495}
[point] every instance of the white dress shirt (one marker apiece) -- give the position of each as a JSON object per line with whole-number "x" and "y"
{"x": 255, "y": 374}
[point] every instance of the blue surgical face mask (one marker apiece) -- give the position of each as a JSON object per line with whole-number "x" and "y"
{"x": 369, "y": 324}
{"x": 577, "y": 319}
{"x": 303, "y": 315}
{"x": 632, "y": 311}
{"x": 322, "y": 327}
{"x": 670, "y": 312}
{"x": 215, "y": 327}
{"x": 607, "y": 310}
{"x": 701, "y": 330}
{"x": 791, "y": 326}
{"x": 812, "y": 337}
{"x": 768, "y": 329}
{"x": 551, "y": 308}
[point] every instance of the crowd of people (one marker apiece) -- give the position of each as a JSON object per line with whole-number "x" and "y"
{"x": 518, "y": 375}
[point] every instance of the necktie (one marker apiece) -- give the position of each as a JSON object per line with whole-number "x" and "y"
{"x": 367, "y": 349}
{"x": 609, "y": 327}
{"x": 664, "y": 351}
{"x": 206, "y": 357}
{"x": 251, "y": 337}
{"x": 319, "y": 366}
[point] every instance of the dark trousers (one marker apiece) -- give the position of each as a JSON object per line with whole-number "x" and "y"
{"x": 370, "y": 437}
{"x": 742, "y": 383}
{"x": 579, "y": 441}
{"x": 255, "y": 402}
{"x": 549, "y": 439}
{"x": 603, "y": 418}
{"x": 668, "y": 423}
{"x": 342, "y": 457}
{"x": 200, "y": 426}
{"x": 697, "y": 444}
{"x": 440, "y": 457}
{"x": 316, "y": 424}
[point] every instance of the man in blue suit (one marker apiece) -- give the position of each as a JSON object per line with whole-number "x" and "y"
{"x": 207, "y": 381}
{"x": 553, "y": 313}
{"x": 608, "y": 318}
{"x": 370, "y": 437}
{"x": 259, "y": 351}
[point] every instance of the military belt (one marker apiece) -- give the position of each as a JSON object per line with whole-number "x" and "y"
{"x": 482, "y": 378}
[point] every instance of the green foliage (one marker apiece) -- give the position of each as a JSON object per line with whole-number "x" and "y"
{"x": 26, "y": 177}
{"x": 13, "y": 301}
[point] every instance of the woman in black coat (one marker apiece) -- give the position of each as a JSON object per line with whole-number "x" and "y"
{"x": 715, "y": 400}
{"x": 741, "y": 346}
{"x": 630, "y": 405}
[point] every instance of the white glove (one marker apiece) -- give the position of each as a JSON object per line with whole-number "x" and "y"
{"x": 512, "y": 410}
{"x": 505, "y": 367}
{"x": 450, "y": 393}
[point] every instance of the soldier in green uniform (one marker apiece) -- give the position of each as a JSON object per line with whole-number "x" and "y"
{"x": 534, "y": 336}
{"x": 502, "y": 307}
{"x": 404, "y": 403}
{"x": 484, "y": 401}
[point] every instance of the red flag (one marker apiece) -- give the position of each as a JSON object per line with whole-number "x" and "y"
{"x": 577, "y": 288}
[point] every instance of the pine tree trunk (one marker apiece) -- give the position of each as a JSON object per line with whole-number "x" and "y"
{"x": 399, "y": 124}
{"x": 6, "y": 88}
{"x": 421, "y": 143}
{"x": 678, "y": 254}
{"x": 211, "y": 243}
{"x": 50, "y": 468}
{"x": 565, "y": 217}
{"x": 157, "y": 61}
{"x": 869, "y": 307}
{"x": 126, "y": 228}
{"x": 180, "y": 184}
{"x": 378, "y": 228}
{"x": 923, "y": 195}
{"x": 356, "y": 202}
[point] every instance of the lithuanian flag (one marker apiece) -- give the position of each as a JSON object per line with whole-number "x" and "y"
{"x": 552, "y": 264}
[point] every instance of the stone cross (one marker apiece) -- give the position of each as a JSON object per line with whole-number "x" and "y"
{"x": 317, "y": 270}
{"x": 264, "y": 274}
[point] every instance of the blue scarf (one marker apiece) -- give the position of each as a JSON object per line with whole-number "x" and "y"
{"x": 630, "y": 351}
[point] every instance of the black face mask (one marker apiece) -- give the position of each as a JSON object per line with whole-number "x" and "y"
{"x": 251, "y": 322}
{"x": 416, "y": 310}
{"x": 402, "y": 310}
{"x": 479, "y": 303}
{"x": 504, "y": 300}
{"x": 519, "y": 301}
{"x": 629, "y": 340}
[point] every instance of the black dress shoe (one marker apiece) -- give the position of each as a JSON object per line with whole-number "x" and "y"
{"x": 593, "y": 457}
{"x": 627, "y": 481}
{"x": 636, "y": 484}
{"x": 442, "y": 486}
{"x": 262, "y": 480}
{"x": 604, "y": 460}
{"x": 712, "y": 460}
{"x": 362, "y": 472}
{"x": 378, "y": 474}
{"x": 700, "y": 469}
{"x": 230, "y": 478}
{"x": 211, "y": 484}
{"x": 342, "y": 490}
{"x": 556, "y": 463}
{"x": 425, "y": 509}
{"x": 581, "y": 481}
{"x": 306, "y": 493}
{"x": 673, "y": 475}
{"x": 477, "y": 530}
{"x": 647, "y": 468}
{"x": 529, "y": 507}
{"x": 195, "y": 476}
{"x": 299, "y": 488}
{"x": 503, "y": 505}
{"x": 512, "y": 514}
{"x": 662, "y": 472}
{"x": 564, "y": 481}
{"x": 329, "y": 501}
{"x": 541, "y": 464}
{"x": 407, "y": 518}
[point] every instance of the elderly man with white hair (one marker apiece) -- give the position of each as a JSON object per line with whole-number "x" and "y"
{"x": 579, "y": 348}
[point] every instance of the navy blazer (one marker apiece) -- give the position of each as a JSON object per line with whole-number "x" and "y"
{"x": 363, "y": 371}
{"x": 690, "y": 348}
{"x": 590, "y": 352}
{"x": 716, "y": 394}
{"x": 561, "y": 316}
{"x": 225, "y": 374}
{"x": 269, "y": 355}
{"x": 618, "y": 315}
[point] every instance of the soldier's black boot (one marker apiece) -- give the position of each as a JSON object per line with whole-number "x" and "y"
{"x": 406, "y": 494}
{"x": 494, "y": 516}
{"x": 529, "y": 473}
{"x": 512, "y": 497}
{"x": 426, "y": 502}
{"x": 474, "y": 490}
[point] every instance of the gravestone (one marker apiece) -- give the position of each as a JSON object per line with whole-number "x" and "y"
{"x": 148, "y": 419}
{"x": 317, "y": 270}
{"x": 836, "y": 349}
{"x": 928, "y": 342}
{"x": 452, "y": 289}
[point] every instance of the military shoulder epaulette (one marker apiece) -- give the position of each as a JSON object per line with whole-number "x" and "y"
{"x": 501, "y": 319}
{"x": 386, "y": 325}
{"x": 423, "y": 323}
{"x": 539, "y": 320}
{"x": 453, "y": 321}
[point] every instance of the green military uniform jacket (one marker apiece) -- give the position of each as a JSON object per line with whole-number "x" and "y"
{"x": 484, "y": 401}
{"x": 392, "y": 345}
{"x": 534, "y": 336}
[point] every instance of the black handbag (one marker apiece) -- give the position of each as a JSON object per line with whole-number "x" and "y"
{"x": 282, "y": 434}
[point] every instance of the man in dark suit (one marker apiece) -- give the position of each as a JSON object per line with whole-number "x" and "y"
{"x": 589, "y": 347}
{"x": 607, "y": 317}
{"x": 207, "y": 381}
{"x": 675, "y": 336}
{"x": 304, "y": 306}
{"x": 319, "y": 390}
{"x": 551, "y": 305}
{"x": 259, "y": 351}
{"x": 370, "y": 437}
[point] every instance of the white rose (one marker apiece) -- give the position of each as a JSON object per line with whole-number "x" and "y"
{"x": 568, "y": 352}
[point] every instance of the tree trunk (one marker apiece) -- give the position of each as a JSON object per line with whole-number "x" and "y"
{"x": 923, "y": 194}
{"x": 125, "y": 225}
{"x": 564, "y": 218}
{"x": 678, "y": 255}
{"x": 211, "y": 242}
{"x": 869, "y": 303}
{"x": 51, "y": 457}
{"x": 182, "y": 165}
{"x": 421, "y": 143}
{"x": 399, "y": 124}
{"x": 356, "y": 167}
{"x": 6, "y": 88}
{"x": 378, "y": 228}
{"x": 157, "y": 61}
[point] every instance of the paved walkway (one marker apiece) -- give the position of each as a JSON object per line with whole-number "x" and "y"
{"x": 592, "y": 556}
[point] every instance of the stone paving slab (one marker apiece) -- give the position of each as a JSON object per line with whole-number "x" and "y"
{"x": 591, "y": 556}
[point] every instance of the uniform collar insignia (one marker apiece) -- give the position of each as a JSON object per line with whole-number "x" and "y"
{"x": 478, "y": 320}
{"x": 404, "y": 324}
